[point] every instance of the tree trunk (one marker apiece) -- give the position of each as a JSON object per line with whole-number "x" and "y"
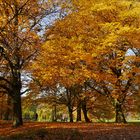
{"x": 120, "y": 118}
{"x": 54, "y": 114}
{"x": 84, "y": 108}
{"x": 17, "y": 111}
{"x": 70, "y": 113}
{"x": 78, "y": 110}
{"x": 16, "y": 100}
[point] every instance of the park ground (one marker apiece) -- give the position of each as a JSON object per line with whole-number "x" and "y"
{"x": 70, "y": 131}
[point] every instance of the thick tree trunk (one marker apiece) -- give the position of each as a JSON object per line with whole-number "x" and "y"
{"x": 17, "y": 111}
{"x": 84, "y": 108}
{"x": 70, "y": 113}
{"x": 78, "y": 111}
{"x": 16, "y": 100}
{"x": 120, "y": 118}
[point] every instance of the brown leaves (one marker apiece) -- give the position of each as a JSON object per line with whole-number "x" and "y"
{"x": 65, "y": 131}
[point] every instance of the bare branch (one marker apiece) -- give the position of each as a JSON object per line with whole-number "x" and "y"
{"x": 25, "y": 91}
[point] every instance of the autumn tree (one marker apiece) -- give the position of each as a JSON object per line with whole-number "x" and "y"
{"x": 89, "y": 45}
{"x": 100, "y": 108}
{"x": 21, "y": 23}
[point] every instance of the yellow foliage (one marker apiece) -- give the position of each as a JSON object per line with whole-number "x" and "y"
{"x": 79, "y": 45}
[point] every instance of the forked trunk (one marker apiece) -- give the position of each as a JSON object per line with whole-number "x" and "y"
{"x": 85, "y": 112}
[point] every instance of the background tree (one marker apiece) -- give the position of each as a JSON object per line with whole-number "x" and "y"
{"x": 93, "y": 48}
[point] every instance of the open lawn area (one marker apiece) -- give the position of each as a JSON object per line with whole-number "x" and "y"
{"x": 70, "y": 131}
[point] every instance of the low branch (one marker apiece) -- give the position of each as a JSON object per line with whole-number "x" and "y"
{"x": 24, "y": 91}
{"x": 92, "y": 87}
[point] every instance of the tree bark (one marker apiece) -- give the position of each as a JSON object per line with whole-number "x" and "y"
{"x": 16, "y": 99}
{"x": 78, "y": 110}
{"x": 120, "y": 118}
{"x": 70, "y": 113}
{"x": 84, "y": 108}
{"x": 17, "y": 111}
{"x": 54, "y": 114}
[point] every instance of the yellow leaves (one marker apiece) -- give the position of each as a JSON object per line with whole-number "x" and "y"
{"x": 82, "y": 4}
{"x": 124, "y": 30}
{"x": 110, "y": 27}
{"x": 125, "y": 4}
{"x": 115, "y": 30}
{"x": 110, "y": 40}
{"x": 130, "y": 15}
{"x": 105, "y": 11}
{"x": 79, "y": 43}
{"x": 103, "y": 7}
{"x": 131, "y": 12}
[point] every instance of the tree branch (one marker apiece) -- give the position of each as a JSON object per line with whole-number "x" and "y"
{"x": 25, "y": 91}
{"x": 28, "y": 58}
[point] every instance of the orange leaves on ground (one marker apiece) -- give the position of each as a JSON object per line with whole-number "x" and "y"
{"x": 85, "y": 131}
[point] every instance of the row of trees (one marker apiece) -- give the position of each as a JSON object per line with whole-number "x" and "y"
{"x": 95, "y": 49}
{"x": 81, "y": 54}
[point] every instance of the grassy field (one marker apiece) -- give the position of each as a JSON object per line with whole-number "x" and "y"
{"x": 70, "y": 131}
